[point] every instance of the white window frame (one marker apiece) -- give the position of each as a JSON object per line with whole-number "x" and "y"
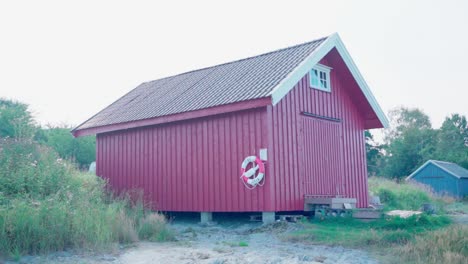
{"x": 322, "y": 71}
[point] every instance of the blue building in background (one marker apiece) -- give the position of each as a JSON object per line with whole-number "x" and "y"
{"x": 444, "y": 177}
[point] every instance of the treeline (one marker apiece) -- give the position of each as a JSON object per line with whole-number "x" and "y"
{"x": 411, "y": 140}
{"x": 17, "y": 122}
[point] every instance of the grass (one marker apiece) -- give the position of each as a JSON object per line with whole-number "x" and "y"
{"x": 448, "y": 245}
{"x": 405, "y": 195}
{"x": 355, "y": 233}
{"x": 243, "y": 244}
{"x": 236, "y": 244}
{"x": 47, "y": 205}
{"x": 417, "y": 239}
{"x": 457, "y": 207}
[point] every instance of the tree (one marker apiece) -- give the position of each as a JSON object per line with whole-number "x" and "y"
{"x": 451, "y": 145}
{"x": 16, "y": 120}
{"x": 403, "y": 119}
{"x": 373, "y": 154}
{"x": 81, "y": 150}
{"x": 410, "y": 142}
{"x": 17, "y": 123}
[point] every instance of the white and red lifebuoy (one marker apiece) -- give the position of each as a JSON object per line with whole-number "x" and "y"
{"x": 250, "y": 177}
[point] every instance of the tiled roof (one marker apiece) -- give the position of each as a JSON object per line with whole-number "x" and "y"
{"x": 237, "y": 81}
{"x": 452, "y": 168}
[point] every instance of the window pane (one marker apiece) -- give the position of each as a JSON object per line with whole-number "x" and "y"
{"x": 323, "y": 84}
{"x": 322, "y": 75}
{"x": 314, "y": 77}
{"x": 314, "y": 82}
{"x": 314, "y": 74}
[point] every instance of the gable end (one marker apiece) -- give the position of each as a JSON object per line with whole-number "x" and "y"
{"x": 334, "y": 41}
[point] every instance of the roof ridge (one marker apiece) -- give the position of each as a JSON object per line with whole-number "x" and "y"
{"x": 239, "y": 60}
{"x": 442, "y": 161}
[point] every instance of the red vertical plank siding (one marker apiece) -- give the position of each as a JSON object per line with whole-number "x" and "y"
{"x": 191, "y": 165}
{"x": 342, "y": 142}
{"x": 194, "y": 165}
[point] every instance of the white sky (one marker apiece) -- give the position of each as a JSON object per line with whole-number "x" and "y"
{"x": 68, "y": 60}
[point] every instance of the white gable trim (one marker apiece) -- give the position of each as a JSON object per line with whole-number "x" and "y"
{"x": 333, "y": 41}
{"x": 435, "y": 164}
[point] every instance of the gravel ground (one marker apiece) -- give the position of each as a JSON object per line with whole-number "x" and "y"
{"x": 227, "y": 242}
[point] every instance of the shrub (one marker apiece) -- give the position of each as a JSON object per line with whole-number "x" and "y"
{"x": 31, "y": 171}
{"x": 153, "y": 227}
{"x": 403, "y": 196}
{"x": 47, "y": 205}
{"x": 81, "y": 150}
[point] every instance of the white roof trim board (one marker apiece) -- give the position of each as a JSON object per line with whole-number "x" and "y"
{"x": 436, "y": 163}
{"x": 333, "y": 41}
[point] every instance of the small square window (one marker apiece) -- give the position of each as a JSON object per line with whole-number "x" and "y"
{"x": 320, "y": 78}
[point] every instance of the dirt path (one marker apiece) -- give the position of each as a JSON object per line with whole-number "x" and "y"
{"x": 223, "y": 243}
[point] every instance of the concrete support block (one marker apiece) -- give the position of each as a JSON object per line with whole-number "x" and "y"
{"x": 206, "y": 217}
{"x": 268, "y": 217}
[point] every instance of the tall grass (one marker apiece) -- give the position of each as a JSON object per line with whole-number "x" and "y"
{"x": 405, "y": 195}
{"x": 449, "y": 245}
{"x": 47, "y": 205}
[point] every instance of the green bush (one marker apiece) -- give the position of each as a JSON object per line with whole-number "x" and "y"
{"x": 47, "y": 205}
{"x": 152, "y": 227}
{"x": 402, "y": 196}
{"x": 31, "y": 171}
{"x": 81, "y": 150}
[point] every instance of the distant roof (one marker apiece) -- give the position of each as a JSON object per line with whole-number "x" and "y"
{"x": 271, "y": 75}
{"x": 449, "y": 167}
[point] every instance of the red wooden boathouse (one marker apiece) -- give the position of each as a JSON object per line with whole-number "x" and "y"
{"x": 182, "y": 139}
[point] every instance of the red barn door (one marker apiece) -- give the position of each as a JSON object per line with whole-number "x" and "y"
{"x": 322, "y": 157}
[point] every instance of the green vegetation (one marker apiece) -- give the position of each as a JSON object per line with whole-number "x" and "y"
{"x": 243, "y": 244}
{"x": 403, "y": 195}
{"x": 47, "y": 205}
{"x": 236, "y": 244}
{"x": 353, "y": 232}
{"x": 448, "y": 245}
{"x": 411, "y": 141}
{"x": 457, "y": 207}
{"x": 81, "y": 150}
{"x": 16, "y": 122}
{"x": 418, "y": 239}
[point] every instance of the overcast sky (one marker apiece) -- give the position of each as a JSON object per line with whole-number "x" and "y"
{"x": 70, "y": 60}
